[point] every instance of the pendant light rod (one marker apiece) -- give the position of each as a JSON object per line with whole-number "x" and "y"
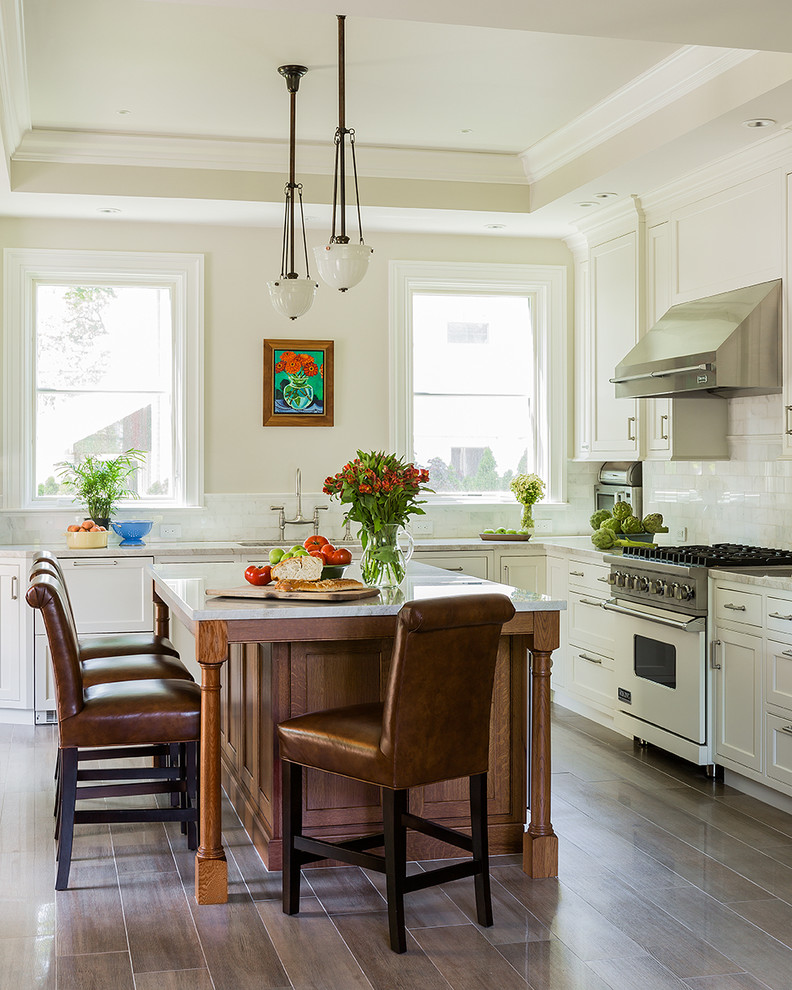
{"x": 342, "y": 131}
{"x": 292, "y": 74}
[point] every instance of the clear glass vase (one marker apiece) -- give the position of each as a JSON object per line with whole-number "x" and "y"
{"x": 384, "y": 558}
{"x": 527, "y": 521}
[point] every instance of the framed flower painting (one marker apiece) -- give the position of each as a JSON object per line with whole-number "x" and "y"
{"x": 298, "y": 383}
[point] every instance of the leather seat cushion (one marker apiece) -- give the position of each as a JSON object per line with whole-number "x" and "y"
{"x": 106, "y": 669}
{"x": 339, "y": 740}
{"x": 125, "y": 644}
{"x": 132, "y": 712}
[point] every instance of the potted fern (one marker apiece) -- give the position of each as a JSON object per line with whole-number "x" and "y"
{"x": 101, "y": 484}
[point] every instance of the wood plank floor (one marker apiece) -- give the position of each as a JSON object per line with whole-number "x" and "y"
{"x": 668, "y": 881}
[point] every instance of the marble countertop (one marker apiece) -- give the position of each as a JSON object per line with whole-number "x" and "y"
{"x": 183, "y": 588}
{"x": 773, "y": 578}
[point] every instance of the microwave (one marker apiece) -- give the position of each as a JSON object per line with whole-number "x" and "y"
{"x": 620, "y": 481}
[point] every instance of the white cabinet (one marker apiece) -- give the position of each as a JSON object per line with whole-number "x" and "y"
{"x": 523, "y": 571}
{"x": 557, "y": 587}
{"x": 614, "y": 326}
{"x": 15, "y": 673}
{"x": 738, "y": 697}
{"x": 109, "y": 594}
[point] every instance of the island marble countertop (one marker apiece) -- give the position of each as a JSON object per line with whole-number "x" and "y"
{"x": 183, "y": 587}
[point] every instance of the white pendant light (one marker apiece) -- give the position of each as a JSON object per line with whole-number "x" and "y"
{"x": 340, "y": 263}
{"x": 292, "y": 294}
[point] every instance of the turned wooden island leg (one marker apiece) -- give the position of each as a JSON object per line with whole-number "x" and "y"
{"x": 540, "y": 843}
{"x": 211, "y": 869}
{"x": 161, "y": 617}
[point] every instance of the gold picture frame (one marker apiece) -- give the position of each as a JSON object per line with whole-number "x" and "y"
{"x": 298, "y": 382}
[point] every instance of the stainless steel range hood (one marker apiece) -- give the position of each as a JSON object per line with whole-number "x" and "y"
{"x": 729, "y": 344}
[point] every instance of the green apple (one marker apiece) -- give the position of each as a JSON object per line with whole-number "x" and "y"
{"x": 276, "y": 555}
{"x": 501, "y": 530}
{"x": 489, "y": 530}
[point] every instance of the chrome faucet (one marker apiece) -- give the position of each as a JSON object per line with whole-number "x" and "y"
{"x": 299, "y": 519}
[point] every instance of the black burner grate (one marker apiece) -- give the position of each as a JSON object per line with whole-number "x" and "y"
{"x": 717, "y": 555}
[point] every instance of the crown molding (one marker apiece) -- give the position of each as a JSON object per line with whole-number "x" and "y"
{"x": 624, "y": 216}
{"x": 774, "y": 151}
{"x": 674, "y": 77}
{"x": 578, "y": 246}
{"x": 14, "y": 98}
{"x": 168, "y": 151}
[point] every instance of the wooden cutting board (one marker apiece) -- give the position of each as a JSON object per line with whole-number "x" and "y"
{"x": 251, "y": 591}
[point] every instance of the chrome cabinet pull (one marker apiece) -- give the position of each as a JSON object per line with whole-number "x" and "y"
{"x": 735, "y": 608}
{"x": 14, "y": 587}
{"x": 604, "y": 579}
{"x": 589, "y": 601}
{"x": 630, "y": 428}
{"x": 459, "y": 569}
{"x": 786, "y": 653}
{"x": 584, "y": 656}
{"x": 576, "y": 574}
{"x": 787, "y": 729}
{"x": 778, "y": 615}
{"x": 714, "y": 654}
{"x": 787, "y": 410}
{"x": 95, "y": 562}
{"x": 664, "y": 429}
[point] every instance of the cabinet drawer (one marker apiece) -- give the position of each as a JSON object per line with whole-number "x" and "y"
{"x": 738, "y": 606}
{"x": 590, "y": 626}
{"x": 778, "y": 612}
{"x": 778, "y": 747}
{"x": 474, "y": 564}
{"x": 588, "y": 576}
{"x": 109, "y": 594}
{"x": 593, "y": 677}
{"x": 778, "y": 674}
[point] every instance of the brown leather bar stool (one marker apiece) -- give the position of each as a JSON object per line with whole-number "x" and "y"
{"x": 432, "y": 726}
{"x": 118, "y": 720}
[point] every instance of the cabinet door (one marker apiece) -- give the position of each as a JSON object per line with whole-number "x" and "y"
{"x": 614, "y": 327}
{"x": 658, "y": 301}
{"x": 14, "y": 664}
{"x": 558, "y": 587}
{"x": 109, "y": 594}
{"x": 738, "y": 697}
{"x": 524, "y": 572}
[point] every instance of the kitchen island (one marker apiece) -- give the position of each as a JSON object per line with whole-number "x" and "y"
{"x": 288, "y": 657}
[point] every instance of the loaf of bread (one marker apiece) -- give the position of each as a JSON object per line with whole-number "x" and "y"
{"x": 298, "y": 569}
{"x": 329, "y": 584}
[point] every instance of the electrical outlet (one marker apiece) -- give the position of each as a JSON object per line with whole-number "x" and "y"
{"x": 170, "y": 532}
{"x": 543, "y": 527}
{"x": 422, "y": 527}
{"x": 679, "y": 533}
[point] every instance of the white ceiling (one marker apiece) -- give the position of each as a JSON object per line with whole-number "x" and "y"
{"x": 503, "y": 115}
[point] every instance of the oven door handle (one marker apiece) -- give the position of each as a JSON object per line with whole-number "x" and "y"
{"x": 695, "y": 624}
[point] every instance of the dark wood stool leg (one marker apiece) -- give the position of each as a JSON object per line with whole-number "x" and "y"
{"x": 292, "y": 826}
{"x": 394, "y": 807}
{"x": 175, "y": 758}
{"x": 478, "y": 824}
{"x": 68, "y": 771}
{"x": 191, "y": 793}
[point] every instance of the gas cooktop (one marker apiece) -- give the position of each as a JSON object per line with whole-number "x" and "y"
{"x": 717, "y": 555}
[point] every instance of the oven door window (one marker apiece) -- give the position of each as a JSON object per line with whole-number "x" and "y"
{"x": 655, "y": 661}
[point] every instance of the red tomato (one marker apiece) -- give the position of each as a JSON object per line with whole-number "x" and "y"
{"x": 325, "y": 550}
{"x": 339, "y": 556}
{"x": 315, "y": 542}
{"x": 315, "y": 553}
{"x": 258, "y": 575}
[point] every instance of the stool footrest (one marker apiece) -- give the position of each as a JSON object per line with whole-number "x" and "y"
{"x": 130, "y": 773}
{"x": 317, "y": 849}
{"x": 123, "y": 816}
{"x": 435, "y": 831}
{"x": 122, "y": 752}
{"x": 443, "y": 874}
{"x": 123, "y": 790}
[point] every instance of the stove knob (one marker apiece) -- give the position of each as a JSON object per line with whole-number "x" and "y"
{"x": 684, "y": 592}
{"x": 657, "y": 587}
{"x": 672, "y": 590}
{"x": 642, "y": 584}
{"x": 612, "y": 578}
{"x": 632, "y": 582}
{"x": 621, "y": 579}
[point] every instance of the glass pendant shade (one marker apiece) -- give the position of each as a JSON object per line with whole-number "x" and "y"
{"x": 292, "y": 297}
{"x": 343, "y": 265}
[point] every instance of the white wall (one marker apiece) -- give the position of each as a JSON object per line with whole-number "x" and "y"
{"x": 241, "y": 456}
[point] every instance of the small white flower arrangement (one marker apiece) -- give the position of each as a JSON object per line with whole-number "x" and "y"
{"x": 528, "y": 489}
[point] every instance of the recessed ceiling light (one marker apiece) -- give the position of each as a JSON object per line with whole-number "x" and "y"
{"x": 495, "y": 226}
{"x": 466, "y": 130}
{"x": 587, "y": 205}
{"x": 109, "y": 209}
{"x": 123, "y": 113}
{"x": 759, "y": 122}
{"x": 605, "y": 195}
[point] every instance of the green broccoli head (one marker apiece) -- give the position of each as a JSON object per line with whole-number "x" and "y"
{"x": 621, "y": 510}
{"x": 614, "y": 525}
{"x": 598, "y": 518}
{"x": 632, "y": 525}
{"x": 653, "y": 523}
{"x": 604, "y": 538}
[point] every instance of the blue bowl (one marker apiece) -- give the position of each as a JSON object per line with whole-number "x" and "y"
{"x": 131, "y": 531}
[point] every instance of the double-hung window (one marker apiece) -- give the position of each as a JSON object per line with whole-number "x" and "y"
{"x": 102, "y": 355}
{"x": 478, "y": 382}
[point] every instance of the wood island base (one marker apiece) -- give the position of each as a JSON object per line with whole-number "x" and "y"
{"x": 265, "y": 683}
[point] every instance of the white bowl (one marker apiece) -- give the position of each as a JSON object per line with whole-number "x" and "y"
{"x": 86, "y": 540}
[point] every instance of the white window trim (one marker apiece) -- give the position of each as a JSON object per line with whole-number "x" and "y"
{"x": 183, "y": 274}
{"x": 546, "y": 285}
